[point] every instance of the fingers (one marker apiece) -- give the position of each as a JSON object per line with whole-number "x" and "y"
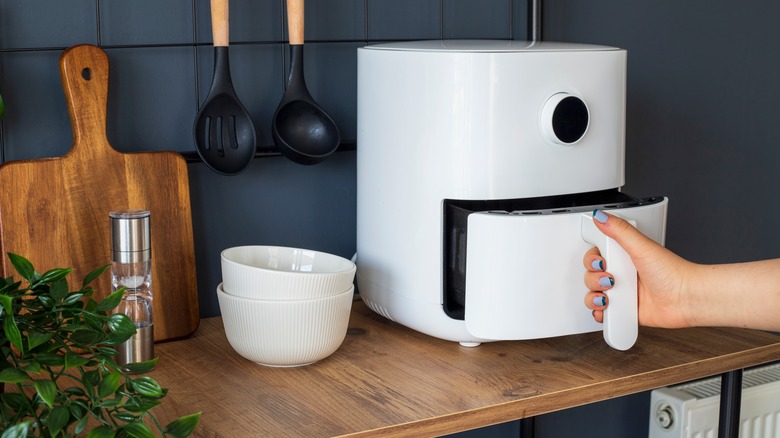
{"x": 593, "y": 260}
{"x": 597, "y": 280}
{"x": 628, "y": 237}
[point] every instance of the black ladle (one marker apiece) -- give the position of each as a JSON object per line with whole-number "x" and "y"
{"x": 224, "y": 133}
{"x": 301, "y": 129}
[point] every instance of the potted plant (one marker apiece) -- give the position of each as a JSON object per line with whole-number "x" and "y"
{"x": 57, "y": 358}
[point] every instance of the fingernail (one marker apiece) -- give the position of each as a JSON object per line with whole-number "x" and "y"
{"x": 598, "y": 265}
{"x": 600, "y": 301}
{"x": 606, "y": 281}
{"x": 600, "y": 216}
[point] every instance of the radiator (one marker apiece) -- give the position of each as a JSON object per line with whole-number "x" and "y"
{"x": 690, "y": 410}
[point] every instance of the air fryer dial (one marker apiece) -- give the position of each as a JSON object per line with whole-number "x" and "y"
{"x": 565, "y": 119}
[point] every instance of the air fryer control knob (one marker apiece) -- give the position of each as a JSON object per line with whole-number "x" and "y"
{"x": 565, "y": 119}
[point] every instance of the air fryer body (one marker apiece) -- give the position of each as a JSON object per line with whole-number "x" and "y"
{"x": 505, "y": 142}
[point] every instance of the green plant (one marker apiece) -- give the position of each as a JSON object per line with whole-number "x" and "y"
{"x": 56, "y": 350}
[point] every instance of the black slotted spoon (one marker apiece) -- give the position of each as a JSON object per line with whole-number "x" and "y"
{"x": 224, "y": 133}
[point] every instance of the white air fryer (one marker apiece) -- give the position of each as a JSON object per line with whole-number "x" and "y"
{"x": 479, "y": 166}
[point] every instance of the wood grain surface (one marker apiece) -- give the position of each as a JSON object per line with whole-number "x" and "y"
{"x": 54, "y": 211}
{"x": 387, "y": 380}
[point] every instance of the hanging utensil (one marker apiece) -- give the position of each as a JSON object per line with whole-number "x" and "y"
{"x": 301, "y": 129}
{"x": 225, "y": 136}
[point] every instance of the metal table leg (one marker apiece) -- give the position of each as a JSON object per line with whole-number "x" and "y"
{"x": 527, "y": 427}
{"x": 730, "y": 404}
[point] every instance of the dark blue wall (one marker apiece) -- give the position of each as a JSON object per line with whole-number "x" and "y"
{"x": 701, "y": 116}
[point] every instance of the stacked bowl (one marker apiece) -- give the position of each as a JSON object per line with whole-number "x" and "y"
{"x": 283, "y": 306}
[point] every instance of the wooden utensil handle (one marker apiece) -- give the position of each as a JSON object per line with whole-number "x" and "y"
{"x": 295, "y": 21}
{"x": 84, "y": 72}
{"x": 220, "y": 17}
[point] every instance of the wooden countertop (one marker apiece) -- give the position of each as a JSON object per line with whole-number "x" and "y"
{"x": 387, "y": 380}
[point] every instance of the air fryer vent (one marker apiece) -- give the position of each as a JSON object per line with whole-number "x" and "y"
{"x": 750, "y": 378}
{"x": 377, "y": 308}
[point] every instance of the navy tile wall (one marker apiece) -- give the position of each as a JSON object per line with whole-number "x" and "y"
{"x": 404, "y": 19}
{"x": 36, "y": 122}
{"x": 145, "y": 22}
{"x": 47, "y": 23}
{"x": 477, "y": 19}
{"x": 150, "y": 103}
{"x": 335, "y": 20}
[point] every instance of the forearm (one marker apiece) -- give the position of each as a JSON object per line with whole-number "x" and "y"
{"x": 735, "y": 295}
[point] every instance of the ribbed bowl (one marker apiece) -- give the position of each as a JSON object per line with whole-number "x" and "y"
{"x": 282, "y": 273}
{"x": 285, "y": 333}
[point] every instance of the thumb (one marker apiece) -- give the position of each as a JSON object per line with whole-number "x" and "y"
{"x": 626, "y": 235}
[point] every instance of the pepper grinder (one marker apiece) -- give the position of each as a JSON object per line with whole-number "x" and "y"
{"x": 131, "y": 268}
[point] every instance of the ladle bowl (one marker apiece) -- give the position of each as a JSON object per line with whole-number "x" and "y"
{"x": 304, "y": 132}
{"x": 301, "y": 129}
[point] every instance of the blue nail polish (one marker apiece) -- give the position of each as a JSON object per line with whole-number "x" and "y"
{"x": 600, "y": 216}
{"x": 606, "y": 281}
{"x": 600, "y": 301}
{"x": 598, "y": 265}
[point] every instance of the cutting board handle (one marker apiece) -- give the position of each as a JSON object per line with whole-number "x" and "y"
{"x": 84, "y": 71}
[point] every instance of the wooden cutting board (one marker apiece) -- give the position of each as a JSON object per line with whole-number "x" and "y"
{"x": 54, "y": 211}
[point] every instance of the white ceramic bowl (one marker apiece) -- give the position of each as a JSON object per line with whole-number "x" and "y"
{"x": 282, "y": 273}
{"x": 285, "y": 333}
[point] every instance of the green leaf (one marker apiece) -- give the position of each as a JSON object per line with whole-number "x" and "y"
{"x": 58, "y": 418}
{"x": 121, "y": 328}
{"x": 31, "y": 367}
{"x": 84, "y": 337}
{"x": 101, "y": 432}
{"x": 46, "y": 301}
{"x": 72, "y": 298}
{"x": 15, "y": 401}
{"x": 91, "y": 377}
{"x": 141, "y": 367}
{"x": 105, "y": 351}
{"x": 12, "y": 331}
{"x": 74, "y": 360}
{"x": 89, "y": 278}
{"x": 137, "y": 430}
{"x": 76, "y": 411}
{"x": 17, "y": 430}
{"x": 126, "y": 417}
{"x": 47, "y": 390}
{"x": 50, "y": 359}
{"x": 59, "y": 290}
{"x": 110, "y": 403}
{"x": 75, "y": 391}
{"x": 109, "y": 384}
{"x": 9, "y": 286}
{"x": 147, "y": 386}
{"x": 36, "y": 338}
{"x": 141, "y": 404}
{"x": 7, "y": 303}
{"x": 23, "y": 267}
{"x": 184, "y": 426}
{"x": 110, "y": 302}
{"x": 81, "y": 425}
{"x": 54, "y": 275}
{"x": 94, "y": 321}
{"x": 91, "y": 304}
{"x": 13, "y": 375}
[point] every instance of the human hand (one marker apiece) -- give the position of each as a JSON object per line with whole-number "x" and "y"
{"x": 661, "y": 275}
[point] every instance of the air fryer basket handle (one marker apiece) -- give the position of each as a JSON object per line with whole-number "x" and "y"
{"x": 621, "y": 324}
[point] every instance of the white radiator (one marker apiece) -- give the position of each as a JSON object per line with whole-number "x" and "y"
{"x": 691, "y": 410}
